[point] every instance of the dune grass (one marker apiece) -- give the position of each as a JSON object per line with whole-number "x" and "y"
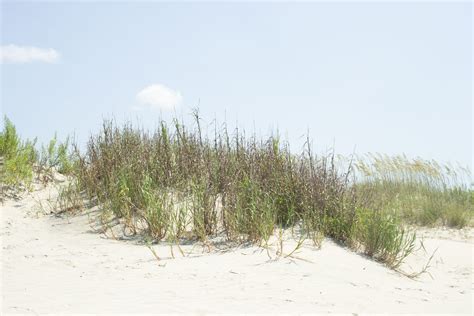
{"x": 20, "y": 161}
{"x": 176, "y": 183}
{"x": 242, "y": 186}
{"x": 17, "y": 157}
{"x": 422, "y": 192}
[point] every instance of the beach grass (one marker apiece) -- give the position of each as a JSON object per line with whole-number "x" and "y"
{"x": 422, "y": 192}
{"x": 21, "y": 161}
{"x": 185, "y": 185}
{"x": 177, "y": 183}
{"x": 17, "y": 157}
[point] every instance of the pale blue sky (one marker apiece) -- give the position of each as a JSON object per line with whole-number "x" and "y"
{"x": 389, "y": 78}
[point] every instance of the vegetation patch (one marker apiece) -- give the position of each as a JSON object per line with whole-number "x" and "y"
{"x": 178, "y": 184}
{"x": 20, "y": 161}
{"x": 421, "y": 192}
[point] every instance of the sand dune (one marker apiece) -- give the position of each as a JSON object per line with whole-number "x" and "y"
{"x": 59, "y": 265}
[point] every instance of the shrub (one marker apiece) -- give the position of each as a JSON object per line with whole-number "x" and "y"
{"x": 56, "y": 155}
{"x": 18, "y": 157}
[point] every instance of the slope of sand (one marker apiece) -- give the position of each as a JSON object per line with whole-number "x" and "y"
{"x": 59, "y": 265}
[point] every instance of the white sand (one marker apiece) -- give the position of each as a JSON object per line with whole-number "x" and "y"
{"x": 57, "y": 265}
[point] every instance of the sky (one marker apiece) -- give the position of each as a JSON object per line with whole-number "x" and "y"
{"x": 392, "y": 78}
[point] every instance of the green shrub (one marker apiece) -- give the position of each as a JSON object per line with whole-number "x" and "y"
{"x": 21, "y": 161}
{"x": 56, "y": 155}
{"x": 18, "y": 157}
{"x": 9, "y": 140}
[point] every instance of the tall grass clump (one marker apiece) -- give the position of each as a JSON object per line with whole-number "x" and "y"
{"x": 421, "y": 192}
{"x": 383, "y": 237}
{"x": 56, "y": 156}
{"x": 181, "y": 183}
{"x": 16, "y": 157}
{"x": 21, "y": 162}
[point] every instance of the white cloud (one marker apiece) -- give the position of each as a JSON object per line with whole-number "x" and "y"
{"x": 26, "y": 54}
{"x": 159, "y": 97}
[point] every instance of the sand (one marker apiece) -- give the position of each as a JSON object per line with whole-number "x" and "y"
{"x": 59, "y": 265}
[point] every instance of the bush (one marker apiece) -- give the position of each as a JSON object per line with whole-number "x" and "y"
{"x": 56, "y": 156}
{"x": 18, "y": 157}
{"x": 20, "y": 160}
